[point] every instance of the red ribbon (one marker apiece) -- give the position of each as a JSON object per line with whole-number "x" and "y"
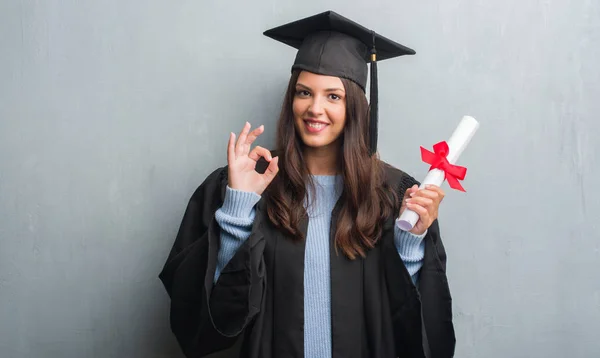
{"x": 438, "y": 160}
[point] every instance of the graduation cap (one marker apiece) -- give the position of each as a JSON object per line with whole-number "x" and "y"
{"x": 332, "y": 45}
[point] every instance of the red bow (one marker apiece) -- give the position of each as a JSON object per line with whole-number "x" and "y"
{"x": 438, "y": 160}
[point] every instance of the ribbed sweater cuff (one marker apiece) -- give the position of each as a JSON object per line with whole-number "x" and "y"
{"x": 409, "y": 245}
{"x": 239, "y": 204}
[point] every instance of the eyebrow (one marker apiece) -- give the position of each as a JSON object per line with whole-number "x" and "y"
{"x": 327, "y": 90}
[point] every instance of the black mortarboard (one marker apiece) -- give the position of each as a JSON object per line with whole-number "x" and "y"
{"x": 330, "y": 44}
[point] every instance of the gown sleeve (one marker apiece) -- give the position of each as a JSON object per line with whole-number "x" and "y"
{"x": 435, "y": 297}
{"x": 439, "y": 339}
{"x": 208, "y": 316}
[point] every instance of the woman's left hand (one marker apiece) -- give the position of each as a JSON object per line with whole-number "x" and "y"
{"x": 424, "y": 202}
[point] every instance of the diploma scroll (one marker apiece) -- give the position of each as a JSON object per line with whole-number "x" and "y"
{"x": 456, "y": 145}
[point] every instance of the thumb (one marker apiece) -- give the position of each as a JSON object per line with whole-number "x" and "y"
{"x": 410, "y": 191}
{"x": 272, "y": 170}
{"x": 408, "y": 194}
{"x": 413, "y": 190}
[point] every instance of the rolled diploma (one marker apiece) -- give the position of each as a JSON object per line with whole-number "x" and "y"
{"x": 456, "y": 144}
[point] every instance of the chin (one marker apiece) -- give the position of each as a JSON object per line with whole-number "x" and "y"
{"x": 317, "y": 142}
{"x": 315, "y": 145}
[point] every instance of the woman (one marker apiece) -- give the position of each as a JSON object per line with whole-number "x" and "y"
{"x": 297, "y": 251}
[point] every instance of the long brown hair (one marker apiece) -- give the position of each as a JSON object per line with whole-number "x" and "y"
{"x": 367, "y": 200}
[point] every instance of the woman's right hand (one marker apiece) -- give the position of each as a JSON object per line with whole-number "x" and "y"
{"x": 242, "y": 162}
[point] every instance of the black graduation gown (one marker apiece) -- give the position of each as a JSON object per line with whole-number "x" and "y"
{"x": 376, "y": 310}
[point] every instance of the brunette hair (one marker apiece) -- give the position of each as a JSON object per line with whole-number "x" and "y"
{"x": 367, "y": 200}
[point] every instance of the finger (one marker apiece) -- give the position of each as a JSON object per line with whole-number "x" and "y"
{"x": 407, "y": 194}
{"x": 426, "y": 193}
{"x": 421, "y": 211}
{"x": 259, "y": 152}
{"x": 272, "y": 170}
{"x": 254, "y": 134}
{"x": 422, "y": 201}
{"x": 437, "y": 189}
{"x": 241, "y": 143}
{"x": 231, "y": 148}
{"x": 412, "y": 190}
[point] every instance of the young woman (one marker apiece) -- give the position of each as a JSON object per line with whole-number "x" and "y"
{"x": 296, "y": 251}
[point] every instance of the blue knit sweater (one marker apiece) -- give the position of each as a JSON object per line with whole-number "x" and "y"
{"x": 236, "y": 216}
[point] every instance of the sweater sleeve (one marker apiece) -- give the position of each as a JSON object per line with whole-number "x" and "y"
{"x": 411, "y": 249}
{"x": 235, "y": 218}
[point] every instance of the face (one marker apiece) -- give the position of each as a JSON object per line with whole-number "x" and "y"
{"x": 319, "y": 108}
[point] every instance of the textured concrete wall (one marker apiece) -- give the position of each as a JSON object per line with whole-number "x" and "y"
{"x": 112, "y": 112}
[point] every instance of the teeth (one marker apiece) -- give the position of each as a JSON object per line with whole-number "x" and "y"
{"x": 316, "y": 125}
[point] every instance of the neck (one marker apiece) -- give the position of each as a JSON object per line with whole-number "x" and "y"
{"x": 322, "y": 161}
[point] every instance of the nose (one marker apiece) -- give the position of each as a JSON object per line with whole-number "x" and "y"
{"x": 316, "y": 107}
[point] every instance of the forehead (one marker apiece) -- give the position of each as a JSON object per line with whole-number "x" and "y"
{"x": 317, "y": 81}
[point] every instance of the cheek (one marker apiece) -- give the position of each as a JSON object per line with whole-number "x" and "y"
{"x": 339, "y": 116}
{"x": 298, "y": 108}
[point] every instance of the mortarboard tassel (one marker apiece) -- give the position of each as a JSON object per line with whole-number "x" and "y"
{"x": 374, "y": 105}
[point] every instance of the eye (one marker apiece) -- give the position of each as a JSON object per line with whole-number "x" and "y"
{"x": 302, "y": 93}
{"x": 334, "y": 97}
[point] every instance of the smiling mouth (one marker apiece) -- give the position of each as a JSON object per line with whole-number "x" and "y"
{"x": 314, "y": 127}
